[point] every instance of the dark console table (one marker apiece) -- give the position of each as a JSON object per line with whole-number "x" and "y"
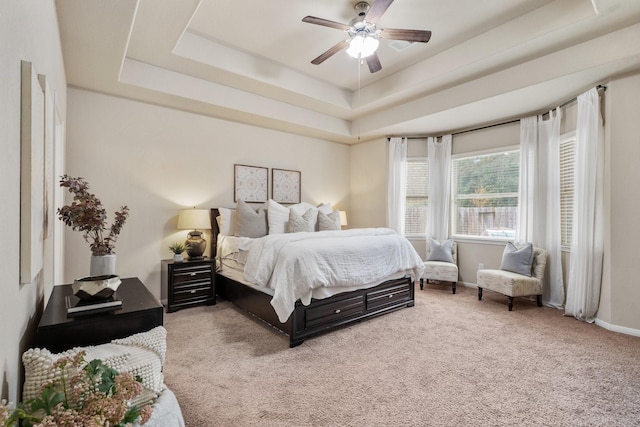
{"x": 140, "y": 312}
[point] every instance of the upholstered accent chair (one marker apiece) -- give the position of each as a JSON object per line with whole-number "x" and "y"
{"x": 441, "y": 271}
{"x": 513, "y": 284}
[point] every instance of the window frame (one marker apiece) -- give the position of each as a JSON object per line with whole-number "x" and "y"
{"x": 453, "y": 202}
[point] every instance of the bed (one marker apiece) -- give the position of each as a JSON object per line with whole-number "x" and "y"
{"x": 321, "y": 309}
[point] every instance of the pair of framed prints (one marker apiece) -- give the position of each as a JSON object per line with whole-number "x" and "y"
{"x": 251, "y": 184}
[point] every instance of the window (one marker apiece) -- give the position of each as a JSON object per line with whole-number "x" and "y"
{"x": 567, "y": 154}
{"x": 417, "y": 196}
{"x": 485, "y": 194}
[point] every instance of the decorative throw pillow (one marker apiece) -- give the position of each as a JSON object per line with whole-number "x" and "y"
{"x": 300, "y": 223}
{"x": 517, "y": 259}
{"x": 302, "y": 208}
{"x": 140, "y": 354}
{"x": 250, "y": 223}
{"x": 328, "y": 222}
{"x": 441, "y": 251}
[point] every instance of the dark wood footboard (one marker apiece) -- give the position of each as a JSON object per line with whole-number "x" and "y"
{"x": 324, "y": 314}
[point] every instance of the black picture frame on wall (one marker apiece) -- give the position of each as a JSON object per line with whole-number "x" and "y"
{"x": 286, "y": 185}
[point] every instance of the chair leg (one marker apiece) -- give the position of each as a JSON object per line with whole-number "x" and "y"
{"x": 510, "y": 303}
{"x": 539, "y": 300}
{"x": 479, "y": 294}
{"x": 453, "y": 287}
{"x": 421, "y": 283}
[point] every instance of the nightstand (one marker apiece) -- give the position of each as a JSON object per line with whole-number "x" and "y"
{"x": 188, "y": 283}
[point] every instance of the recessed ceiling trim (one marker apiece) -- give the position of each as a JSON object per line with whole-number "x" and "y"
{"x": 262, "y": 71}
{"x": 166, "y": 81}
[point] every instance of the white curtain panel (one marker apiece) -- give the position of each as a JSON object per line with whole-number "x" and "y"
{"x": 539, "y": 197}
{"x": 396, "y": 184}
{"x": 587, "y": 248}
{"x": 439, "y": 155}
{"x": 528, "y": 175}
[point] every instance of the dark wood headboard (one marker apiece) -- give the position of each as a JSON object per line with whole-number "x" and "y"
{"x": 215, "y": 230}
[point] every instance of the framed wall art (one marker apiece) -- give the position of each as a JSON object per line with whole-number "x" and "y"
{"x": 32, "y": 122}
{"x": 285, "y": 186}
{"x": 250, "y": 183}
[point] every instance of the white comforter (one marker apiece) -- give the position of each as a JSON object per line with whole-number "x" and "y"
{"x": 293, "y": 265}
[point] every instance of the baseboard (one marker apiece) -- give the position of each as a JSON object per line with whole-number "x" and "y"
{"x": 616, "y": 328}
{"x": 599, "y": 322}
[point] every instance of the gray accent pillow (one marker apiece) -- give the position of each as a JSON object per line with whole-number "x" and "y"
{"x": 249, "y": 222}
{"x": 517, "y": 259}
{"x": 299, "y": 223}
{"x": 441, "y": 251}
{"x": 328, "y": 222}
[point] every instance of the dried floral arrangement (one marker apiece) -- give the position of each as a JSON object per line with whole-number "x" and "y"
{"x": 85, "y": 394}
{"x": 87, "y": 215}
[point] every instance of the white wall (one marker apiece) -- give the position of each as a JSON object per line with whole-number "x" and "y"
{"x": 620, "y": 292}
{"x": 157, "y": 160}
{"x": 29, "y": 31}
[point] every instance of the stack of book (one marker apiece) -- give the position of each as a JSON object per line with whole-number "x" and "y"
{"x": 80, "y": 307}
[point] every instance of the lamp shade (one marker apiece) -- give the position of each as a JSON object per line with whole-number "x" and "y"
{"x": 194, "y": 219}
{"x": 343, "y": 218}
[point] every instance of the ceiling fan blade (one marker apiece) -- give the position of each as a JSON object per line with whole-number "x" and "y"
{"x": 376, "y": 11}
{"x": 325, "y": 23}
{"x": 332, "y": 51}
{"x": 374, "y": 63}
{"x": 408, "y": 35}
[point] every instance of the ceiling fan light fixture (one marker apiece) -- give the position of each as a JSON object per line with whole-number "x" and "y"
{"x": 362, "y": 45}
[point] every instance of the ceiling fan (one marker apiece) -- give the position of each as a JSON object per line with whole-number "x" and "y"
{"x": 364, "y": 36}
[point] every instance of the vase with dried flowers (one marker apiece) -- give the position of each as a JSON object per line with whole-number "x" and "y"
{"x": 84, "y": 394}
{"x": 87, "y": 215}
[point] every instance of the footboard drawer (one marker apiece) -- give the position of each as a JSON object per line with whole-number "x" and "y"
{"x": 328, "y": 314}
{"x": 395, "y": 293}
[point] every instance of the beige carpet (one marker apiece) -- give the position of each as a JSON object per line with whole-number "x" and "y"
{"x": 449, "y": 361}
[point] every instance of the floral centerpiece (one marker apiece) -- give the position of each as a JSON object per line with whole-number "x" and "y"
{"x": 85, "y": 394}
{"x": 87, "y": 215}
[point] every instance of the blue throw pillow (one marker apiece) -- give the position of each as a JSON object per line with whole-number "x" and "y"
{"x": 517, "y": 259}
{"x": 441, "y": 251}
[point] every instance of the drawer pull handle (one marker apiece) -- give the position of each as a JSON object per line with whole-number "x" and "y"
{"x": 336, "y": 311}
{"x": 390, "y": 295}
{"x": 192, "y": 274}
{"x": 193, "y": 291}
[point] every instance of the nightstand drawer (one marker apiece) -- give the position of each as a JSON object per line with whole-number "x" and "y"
{"x": 191, "y": 274}
{"x": 394, "y": 294}
{"x": 193, "y": 291}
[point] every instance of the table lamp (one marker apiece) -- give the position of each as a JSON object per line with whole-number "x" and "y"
{"x": 343, "y": 218}
{"x": 195, "y": 220}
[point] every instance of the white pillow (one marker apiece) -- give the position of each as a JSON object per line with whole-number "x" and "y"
{"x": 226, "y": 221}
{"x": 325, "y": 208}
{"x": 277, "y": 217}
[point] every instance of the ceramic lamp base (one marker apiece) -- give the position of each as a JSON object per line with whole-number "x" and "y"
{"x": 196, "y": 245}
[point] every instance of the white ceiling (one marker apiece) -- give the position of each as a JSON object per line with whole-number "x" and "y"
{"x": 249, "y": 60}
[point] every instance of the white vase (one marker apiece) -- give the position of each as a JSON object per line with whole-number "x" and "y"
{"x": 178, "y": 257}
{"x": 102, "y": 265}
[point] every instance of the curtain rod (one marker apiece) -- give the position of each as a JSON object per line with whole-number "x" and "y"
{"x": 564, "y": 104}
